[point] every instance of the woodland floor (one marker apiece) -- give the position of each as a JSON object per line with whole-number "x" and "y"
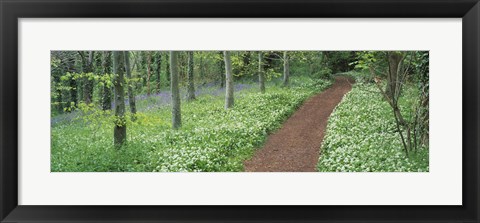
{"x": 295, "y": 147}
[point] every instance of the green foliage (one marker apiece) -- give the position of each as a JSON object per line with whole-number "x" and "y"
{"x": 309, "y": 62}
{"x": 366, "y": 59}
{"x": 360, "y": 76}
{"x": 100, "y": 80}
{"x": 322, "y": 72}
{"x": 211, "y": 138}
{"x": 361, "y": 136}
{"x": 339, "y": 61}
{"x": 361, "y": 133}
{"x": 68, "y": 79}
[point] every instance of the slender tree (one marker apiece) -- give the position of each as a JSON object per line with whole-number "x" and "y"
{"x": 286, "y": 69}
{"x": 149, "y": 70}
{"x": 120, "y": 128}
{"x": 229, "y": 101}
{"x": 261, "y": 73}
{"x": 87, "y": 67}
{"x": 158, "y": 70}
{"x": 131, "y": 96}
{"x": 167, "y": 67}
{"x": 57, "y": 70}
{"x": 221, "y": 66}
{"x": 106, "y": 90}
{"x": 141, "y": 68}
{"x": 66, "y": 64}
{"x": 202, "y": 69}
{"x": 393, "y": 79}
{"x": 176, "y": 112}
{"x": 73, "y": 91}
{"x": 191, "y": 83}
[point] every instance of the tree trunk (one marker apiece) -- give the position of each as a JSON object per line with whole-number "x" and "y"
{"x": 159, "y": 68}
{"x": 286, "y": 69}
{"x": 229, "y": 102}
{"x": 261, "y": 73}
{"x": 73, "y": 86}
{"x": 392, "y": 93}
{"x": 120, "y": 128}
{"x": 394, "y": 60}
{"x": 191, "y": 83}
{"x": 106, "y": 90}
{"x": 58, "y": 91}
{"x": 167, "y": 59}
{"x": 73, "y": 92}
{"x": 246, "y": 62}
{"x": 89, "y": 85}
{"x": 222, "y": 68}
{"x": 138, "y": 65}
{"x": 176, "y": 112}
{"x": 149, "y": 70}
{"x": 87, "y": 67}
{"x": 202, "y": 70}
{"x": 131, "y": 96}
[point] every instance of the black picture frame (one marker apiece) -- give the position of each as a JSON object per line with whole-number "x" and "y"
{"x": 12, "y": 10}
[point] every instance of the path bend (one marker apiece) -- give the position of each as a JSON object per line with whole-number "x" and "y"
{"x": 295, "y": 146}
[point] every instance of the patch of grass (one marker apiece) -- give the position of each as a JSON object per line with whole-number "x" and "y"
{"x": 211, "y": 138}
{"x": 361, "y": 135}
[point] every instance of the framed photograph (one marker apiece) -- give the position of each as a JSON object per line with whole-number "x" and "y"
{"x": 239, "y": 111}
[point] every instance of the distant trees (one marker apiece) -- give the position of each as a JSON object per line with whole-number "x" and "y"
{"x": 88, "y": 77}
{"x": 286, "y": 68}
{"x": 106, "y": 90}
{"x": 93, "y": 78}
{"x": 149, "y": 70}
{"x": 202, "y": 69}
{"x": 191, "y": 83}
{"x": 221, "y": 67}
{"x": 158, "y": 61}
{"x": 120, "y": 128}
{"x": 261, "y": 72}
{"x": 131, "y": 96}
{"x": 167, "y": 58}
{"x": 229, "y": 101}
{"x": 64, "y": 90}
{"x": 87, "y": 67}
{"x": 339, "y": 61}
{"x": 176, "y": 113}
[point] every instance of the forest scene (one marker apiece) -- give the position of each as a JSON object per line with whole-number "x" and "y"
{"x": 235, "y": 111}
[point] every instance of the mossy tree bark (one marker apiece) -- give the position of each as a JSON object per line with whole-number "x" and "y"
{"x": 149, "y": 70}
{"x": 286, "y": 69}
{"x": 87, "y": 67}
{"x": 221, "y": 67}
{"x": 158, "y": 61}
{"x": 229, "y": 100}
{"x": 131, "y": 96}
{"x": 106, "y": 89}
{"x": 261, "y": 72}
{"x": 176, "y": 112}
{"x": 120, "y": 128}
{"x": 167, "y": 65}
{"x": 191, "y": 82}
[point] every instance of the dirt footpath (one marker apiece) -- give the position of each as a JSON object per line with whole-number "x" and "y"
{"x": 295, "y": 146}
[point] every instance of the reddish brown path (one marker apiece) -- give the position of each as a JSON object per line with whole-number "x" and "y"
{"x": 295, "y": 147}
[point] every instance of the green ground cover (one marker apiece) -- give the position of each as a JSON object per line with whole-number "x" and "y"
{"x": 211, "y": 138}
{"x": 361, "y": 135}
